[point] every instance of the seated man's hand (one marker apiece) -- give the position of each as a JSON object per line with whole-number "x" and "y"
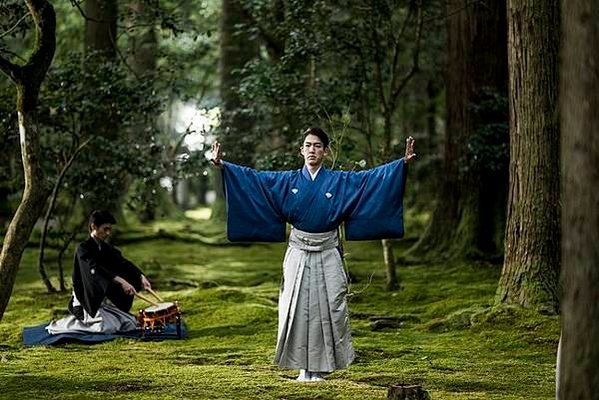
{"x": 145, "y": 283}
{"x": 126, "y": 286}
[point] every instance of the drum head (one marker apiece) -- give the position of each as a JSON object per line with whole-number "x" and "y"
{"x": 160, "y": 307}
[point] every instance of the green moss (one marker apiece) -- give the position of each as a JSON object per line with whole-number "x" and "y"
{"x": 448, "y": 336}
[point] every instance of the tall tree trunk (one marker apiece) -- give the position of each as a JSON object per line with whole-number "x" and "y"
{"x": 100, "y": 40}
{"x": 579, "y": 93}
{"x": 237, "y": 47}
{"x": 143, "y": 46}
{"x": 28, "y": 79}
{"x": 464, "y": 220}
{"x": 432, "y": 91}
{"x": 391, "y": 282}
{"x": 100, "y": 27}
{"x": 532, "y": 256}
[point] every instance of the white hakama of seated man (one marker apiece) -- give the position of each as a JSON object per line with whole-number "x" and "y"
{"x": 109, "y": 319}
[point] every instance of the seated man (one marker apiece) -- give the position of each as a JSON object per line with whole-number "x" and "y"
{"x": 101, "y": 273}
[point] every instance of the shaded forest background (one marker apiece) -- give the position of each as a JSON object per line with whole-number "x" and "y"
{"x": 115, "y": 104}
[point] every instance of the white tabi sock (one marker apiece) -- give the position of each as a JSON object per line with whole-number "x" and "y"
{"x": 304, "y": 376}
{"x": 315, "y": 377}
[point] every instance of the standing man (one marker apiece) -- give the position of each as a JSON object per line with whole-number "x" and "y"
{"x": 101, "y": 273}
{"x": 314, "y": 334}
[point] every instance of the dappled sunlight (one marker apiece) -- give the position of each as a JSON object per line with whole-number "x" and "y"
{"x": 199, "y": 213}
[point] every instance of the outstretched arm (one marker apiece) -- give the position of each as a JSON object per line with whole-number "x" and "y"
{"x": 409, "y": 149}
{"x": 216, "y": 159}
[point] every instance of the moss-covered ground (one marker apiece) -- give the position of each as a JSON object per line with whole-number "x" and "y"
{"x": 439, "y": 331}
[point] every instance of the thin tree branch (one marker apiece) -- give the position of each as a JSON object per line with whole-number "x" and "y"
{"x": 396, "y": 42}
{"x": 365, "y": 111}
{"x": 53, "y": 198}
{"x": 12, "y": 53}
{"x": 271, "y": 41}
{"x": 415, "y": 56}
{"x": 12, "y": 70}
{"x": 15, "y": 26}
{"x": 77, "y": 4}
{"x": 378, "y": 68}
{"x": 126, "y": 29}
{"x": 179, "y": 142}
{"x": 404, "y": 26}
{"x": 122, "y": 57}
{"x": 460, "y": 9}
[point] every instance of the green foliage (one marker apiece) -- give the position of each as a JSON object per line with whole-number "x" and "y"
{"x": 77, "y": 90}
{"x": 229, "y": 299}
{"x": 329, "y": 60}
{"x": 14, "y": 23}
{"x": 488, "y": 147}
{"x": 76, "y": 93}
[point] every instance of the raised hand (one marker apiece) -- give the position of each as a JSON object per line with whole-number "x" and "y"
{"x": 409, "y": 149}
{"x": 216, "y": 155}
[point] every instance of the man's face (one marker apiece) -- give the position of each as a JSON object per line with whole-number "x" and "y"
{"x": 313, "y": 151}
{"x": 101, "y": 232}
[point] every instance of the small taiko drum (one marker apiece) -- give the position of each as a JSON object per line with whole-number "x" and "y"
{"x": 155, "y": 318}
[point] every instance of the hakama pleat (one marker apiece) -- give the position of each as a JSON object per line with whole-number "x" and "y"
{"x": 314, "y": 332}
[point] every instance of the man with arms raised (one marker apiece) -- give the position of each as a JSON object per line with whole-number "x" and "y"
{"x": 314, "y": 334}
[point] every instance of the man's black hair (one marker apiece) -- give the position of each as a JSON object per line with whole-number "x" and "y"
{"x": 101, "y": 217}
{"x": 321, "y": 134}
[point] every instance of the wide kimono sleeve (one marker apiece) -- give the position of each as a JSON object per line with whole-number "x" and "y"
{"x": 378, "y": 210}
{"x": 91, "y": 278}
{"x": 253, "y": 212}
{"x": 125, "y": 268}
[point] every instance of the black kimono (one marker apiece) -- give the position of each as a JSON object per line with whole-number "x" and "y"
{"x": 94, "y": 268}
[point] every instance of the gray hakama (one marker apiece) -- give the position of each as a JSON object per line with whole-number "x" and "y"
{"x": 109, "y": 319}
{"x": 314, "y": 332}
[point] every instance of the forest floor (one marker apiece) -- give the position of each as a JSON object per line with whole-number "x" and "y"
{"x": 446, "y": 335}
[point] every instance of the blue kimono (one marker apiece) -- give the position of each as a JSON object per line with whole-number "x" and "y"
{"x": 259, "y": 204}
{"x": 314, "y": 333}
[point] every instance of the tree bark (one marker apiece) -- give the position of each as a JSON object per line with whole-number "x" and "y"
{"x": 579, "y": 92}
{"x": 101, "y": 41}
{"x": 143, "y": 47}
{"x": 532, "y": 256}
{"x": 28, "y": 79}
{"x": 100, "y": 27}
{"x": 237, "y": 47}
{"x": 465, "y": 221}
{"x": 432, "y": 91}
{"x": 392, "y": 283}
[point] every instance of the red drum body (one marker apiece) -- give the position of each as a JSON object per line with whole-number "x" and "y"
{"x": 155, "y": 318}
